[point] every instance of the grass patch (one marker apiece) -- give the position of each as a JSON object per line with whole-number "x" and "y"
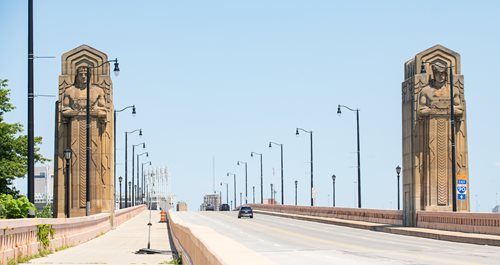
{"x": 175, "y": 261}
{"x": 61, "y": 248}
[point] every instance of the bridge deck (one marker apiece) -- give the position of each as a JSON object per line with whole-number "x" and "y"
{"x": 119, "y": 245}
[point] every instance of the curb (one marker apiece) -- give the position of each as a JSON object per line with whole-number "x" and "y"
{"x": 459, "y": 237}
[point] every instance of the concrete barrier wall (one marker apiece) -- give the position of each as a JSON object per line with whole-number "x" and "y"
{"x": 482, "y": 223}
{"x": 18, "y": 237}
{"x": 205, "y": 246}
{"x": 367, "y": 215}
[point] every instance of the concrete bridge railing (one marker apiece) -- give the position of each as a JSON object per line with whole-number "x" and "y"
{"x": 393, "y": 217}
{"x": 481, "y": 223}
{"x": 19, "y": 237}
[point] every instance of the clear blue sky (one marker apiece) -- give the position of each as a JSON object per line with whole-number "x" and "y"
{"x": 223, "y": 78}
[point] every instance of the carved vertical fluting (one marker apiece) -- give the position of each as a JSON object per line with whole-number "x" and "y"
{"x": 442, "y": 161}
{"x": 82, "y": 164}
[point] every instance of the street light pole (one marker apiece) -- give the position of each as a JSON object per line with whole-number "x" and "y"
{"x": 312, "y": 179}
{"x": 359, "y": 163}
{"x": 114, "y": 144}
{"x": 132, "y": 198}
{"x": 126, "y": 163}
{"x": 398, "y": 170}
{"x": 31, "y": 137}
{"x": 234, "y": 181}
{"x": 67, "y": 156}
{"x": 261, "y": 178}
{"x": 296, "y": 182}
{"x": 246, "y": 180}
{"x": 282, "y": 186}
{"x": 120, "y": 179}
{"x": 87, "y": 121}
{"x": 333, "y": 188}
{"x": 143, "y": 183}
{"x": 253, "y": 188}
{"x": 139, "y": 177}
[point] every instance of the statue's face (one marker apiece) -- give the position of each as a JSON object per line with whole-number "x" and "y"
{"x": 81, "y": 76}
{"x": 440, "y": 76}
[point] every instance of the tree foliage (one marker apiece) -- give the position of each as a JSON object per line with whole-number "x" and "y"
{"x": 14, "y": 208}
{"x": 13, "y": 146}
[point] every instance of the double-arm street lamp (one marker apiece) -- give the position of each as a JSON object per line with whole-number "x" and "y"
{"x": 234, "y": 182}
{"x": 312, "y": 179}
{"x": 126, "y": 163}
{"x": 359, "y": 166}
{"x": 261, "y": 178}
{"x": 114, "y": 144}
{"x": 246, "y": 180}
{"x": 452, "y": 125}
{"x": 139, "y": 177}
{"x": 282, "y": 190}
{"x": 120, "y": 179}
{"x": 132, "y": 198}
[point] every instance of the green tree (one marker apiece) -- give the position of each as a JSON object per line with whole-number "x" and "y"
{"x": 13, "y": 146}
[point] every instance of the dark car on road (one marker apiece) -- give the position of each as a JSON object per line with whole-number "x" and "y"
{"x": 245, "y": 211}
{"x": 224, "y": 207}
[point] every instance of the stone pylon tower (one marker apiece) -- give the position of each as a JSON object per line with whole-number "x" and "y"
{"x": 71, "y": 133}
{"x": 427, "y": 163}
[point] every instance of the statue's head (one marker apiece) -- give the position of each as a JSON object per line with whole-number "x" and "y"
{"x": 81, "y": 77}
{"x": 439, "y": 73}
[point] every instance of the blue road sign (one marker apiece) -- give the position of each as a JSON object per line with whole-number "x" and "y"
{"x": 461, "y": 196}
{"x": 461, "y": 189}
{"x": 461, "y": 181}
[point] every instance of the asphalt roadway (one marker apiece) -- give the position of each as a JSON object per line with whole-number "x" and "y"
{"x": 289, "y": 241}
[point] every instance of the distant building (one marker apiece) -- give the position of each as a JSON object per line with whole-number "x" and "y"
{"x": 182, "y": 207}
{"x": 44, "y": 186}
{"x": 211, "y": 202}
{"x": 496, "y": 209}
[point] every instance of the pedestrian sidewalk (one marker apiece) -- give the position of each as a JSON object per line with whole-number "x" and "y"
{"x": 118, "y": 246}
{"x": 471, "y": 238}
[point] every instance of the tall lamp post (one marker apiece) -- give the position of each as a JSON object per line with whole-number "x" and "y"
{"x": 227, "y": 191}
{"x": 452, "y": 125}
{"x": 398, "y": 170}
{"x": 234, "y": 182}
{"x": 114, "y": 143}
{"x": 312, "y": 179}
{"x": 139, "y": 177}
{"x": 88, "y": 133}
{"x": 296, "y": 183}
{"x": 246, "y": 180}
{"x": 67, "y": 157}
{"x": 129, "y": 184}
{"x": 132, "y": 197}
{"x": 253, "y": 188}
{"x": 359, "y": 165}
{"x": 261, "y": 178}
{"x": 143, "y": 182}
{"x": 333, "y": 188}
{"x": 120, "y": 179}
{"x": 282, "y": 189}
{"x": 126, "y": 163}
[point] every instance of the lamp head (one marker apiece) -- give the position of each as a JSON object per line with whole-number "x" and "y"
{"x": 296, "y": 182}
{"x": 238, "y": 163}
{"x": 67, "y": 153}
{"x": 117, "y": 69}
{"x": 297, "y": 131}
{"x": 339, "y": 111}
{"x": 251, "y": 154}
{"x": 143, "y": 145}
{"x": 334, "y": 177}
{"x": 422, "y": 68}
{"x": 120, "y": 179}
{"x": 140, "y": 132}
{"x": 150, "y": 163}
{"x": 269, "y": 144}
{"x": 398, "y": 169}
{"x": 227, "y": 174}
{"x": 147, "y": 154}
{"x": 133, "y": 110}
